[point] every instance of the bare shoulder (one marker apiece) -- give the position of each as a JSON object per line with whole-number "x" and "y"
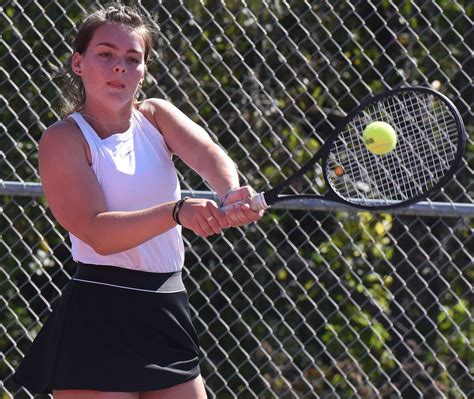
{"x": 154, "y": 105}
{"x": 62, "y": 149}
{"x": 155, "y": 108}
{"x": 59, "y": 134}
{"x": 64, "y": 129}
{"x": 61, "y": 137}
{"x": 164, "y": 114}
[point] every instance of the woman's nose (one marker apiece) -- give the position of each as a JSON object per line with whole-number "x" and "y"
{"x": 119, "y": 68}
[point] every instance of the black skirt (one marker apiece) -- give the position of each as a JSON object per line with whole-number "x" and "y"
{"x": 116, "y": 330}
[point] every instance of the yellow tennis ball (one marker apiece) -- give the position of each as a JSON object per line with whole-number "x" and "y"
{"x": 380, "y": 138}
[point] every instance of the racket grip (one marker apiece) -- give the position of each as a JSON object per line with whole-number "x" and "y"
{"x": 257, "y": 203}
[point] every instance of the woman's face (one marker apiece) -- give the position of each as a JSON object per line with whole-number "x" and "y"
{"x": 112, "y": 66}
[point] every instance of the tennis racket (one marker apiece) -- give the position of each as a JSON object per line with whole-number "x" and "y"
{"x": 429, "y": 149}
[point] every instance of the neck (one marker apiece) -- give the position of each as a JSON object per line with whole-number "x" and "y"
{"x": 107, "y": 121}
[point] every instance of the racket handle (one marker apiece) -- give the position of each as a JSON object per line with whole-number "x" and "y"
{"x": 257, "y": 203}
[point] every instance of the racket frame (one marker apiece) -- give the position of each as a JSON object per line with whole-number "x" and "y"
{"x": 265, "y": 199}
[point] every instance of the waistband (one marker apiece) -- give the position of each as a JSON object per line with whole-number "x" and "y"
{"x": 136, "y": 280}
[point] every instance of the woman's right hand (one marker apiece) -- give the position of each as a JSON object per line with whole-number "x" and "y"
{"x": 203, "y": 217}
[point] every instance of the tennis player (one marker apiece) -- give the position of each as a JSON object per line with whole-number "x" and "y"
{"x": 122, "y": 328}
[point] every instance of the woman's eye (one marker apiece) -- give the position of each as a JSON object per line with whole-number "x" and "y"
{"x": 105, "y": 54}
{"x": 135, "y": 60}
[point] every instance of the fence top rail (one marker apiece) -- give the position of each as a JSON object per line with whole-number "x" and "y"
{"x": 422, "y": 208}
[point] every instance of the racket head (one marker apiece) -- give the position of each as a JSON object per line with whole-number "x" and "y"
{"x": 430, "y": 146}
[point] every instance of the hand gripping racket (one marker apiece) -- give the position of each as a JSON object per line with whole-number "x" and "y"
{"x": 430, "y": 145}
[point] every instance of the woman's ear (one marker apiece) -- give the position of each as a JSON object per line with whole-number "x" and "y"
{"x": 76, "y": 64}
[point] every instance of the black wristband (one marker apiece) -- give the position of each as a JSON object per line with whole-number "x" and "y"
{"x": 177, "y": 208}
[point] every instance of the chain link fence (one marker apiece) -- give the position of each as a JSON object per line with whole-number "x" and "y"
{"x": 316, "y": 301}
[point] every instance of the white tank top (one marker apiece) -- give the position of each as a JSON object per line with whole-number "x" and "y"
{"x": 135, "y": 171}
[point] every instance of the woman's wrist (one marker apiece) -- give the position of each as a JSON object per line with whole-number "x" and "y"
{"x": 177, "y": 208}
{"x": 223, "y": 199}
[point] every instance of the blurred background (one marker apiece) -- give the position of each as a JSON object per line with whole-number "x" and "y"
{"x": 308, "y": 303}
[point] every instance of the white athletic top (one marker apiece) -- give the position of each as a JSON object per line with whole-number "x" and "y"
{"x": 135, "y": 171}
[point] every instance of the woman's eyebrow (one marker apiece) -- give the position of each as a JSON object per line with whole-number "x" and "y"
{"x": 111, "y": 45}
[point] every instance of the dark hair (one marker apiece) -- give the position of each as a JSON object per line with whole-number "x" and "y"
{"x": 73, "y": 93}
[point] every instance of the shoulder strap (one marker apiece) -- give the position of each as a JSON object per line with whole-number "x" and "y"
{"x": 89, "y": 134}
{"x": 86, "y": 129}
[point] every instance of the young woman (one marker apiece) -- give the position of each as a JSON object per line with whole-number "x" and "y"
{"x": 122, "y": 327}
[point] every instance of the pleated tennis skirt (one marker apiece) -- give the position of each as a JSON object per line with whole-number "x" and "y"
{"x": 115, "y": 330}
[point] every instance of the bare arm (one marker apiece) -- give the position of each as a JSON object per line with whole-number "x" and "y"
{"x": 193, "y": 145}
{"x": 77, "y": 201}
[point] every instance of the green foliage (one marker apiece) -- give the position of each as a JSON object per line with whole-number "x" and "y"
{"x": 322, "y": 292}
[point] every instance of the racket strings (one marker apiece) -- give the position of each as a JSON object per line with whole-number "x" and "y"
{"x": 426, "y": 147}
{"x": 417, "y": 162}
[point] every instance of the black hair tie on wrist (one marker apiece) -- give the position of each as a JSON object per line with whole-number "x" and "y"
{"x": 177, "y": 208}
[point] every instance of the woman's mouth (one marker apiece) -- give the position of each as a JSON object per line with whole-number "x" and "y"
{"x": 116, "y": 84}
